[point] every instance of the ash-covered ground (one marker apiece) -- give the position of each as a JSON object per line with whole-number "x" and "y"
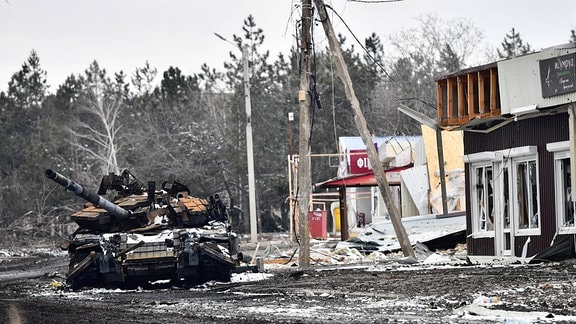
{"x": 381, "y": 291}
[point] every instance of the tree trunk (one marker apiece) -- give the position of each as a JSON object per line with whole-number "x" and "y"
{"x": 360, "y": 121}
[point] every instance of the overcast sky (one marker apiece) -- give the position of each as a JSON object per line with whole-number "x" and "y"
{"x": 122, "y": 35}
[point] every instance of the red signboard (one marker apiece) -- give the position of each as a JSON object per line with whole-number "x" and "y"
{"x": 359, "y": 162}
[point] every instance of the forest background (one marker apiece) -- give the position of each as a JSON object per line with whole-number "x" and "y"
{"x": 193, "y": 126}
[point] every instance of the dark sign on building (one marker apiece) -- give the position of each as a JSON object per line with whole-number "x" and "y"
{"x": 558, "y": 75}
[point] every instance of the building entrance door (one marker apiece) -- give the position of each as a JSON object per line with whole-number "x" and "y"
{"x": 504, "y": 231}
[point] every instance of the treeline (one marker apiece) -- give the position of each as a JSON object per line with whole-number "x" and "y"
{"x": 193, "y": 126}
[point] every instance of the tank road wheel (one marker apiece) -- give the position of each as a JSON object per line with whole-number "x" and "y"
{"x": 193, "y": 281}
{"x": 82, "y": 270}
{"x": 215, "y": 271}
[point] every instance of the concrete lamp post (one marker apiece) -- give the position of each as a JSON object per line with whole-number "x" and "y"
{"x": 249, "y": 143}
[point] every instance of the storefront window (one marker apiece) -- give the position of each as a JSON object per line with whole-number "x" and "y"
{"x": 483, "y": 211}
{"x": 527, "y": 193}
{"x": 563, "y": 191}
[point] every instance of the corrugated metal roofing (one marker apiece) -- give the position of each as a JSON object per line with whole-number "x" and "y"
{"x": 416, "y": 182}
{"x": 359, "y": 180}
{"x": 401, "y": 142}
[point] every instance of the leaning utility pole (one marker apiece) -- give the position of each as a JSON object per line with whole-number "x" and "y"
{"x": 304, "y": 176}
{"x": 377, "y": 167}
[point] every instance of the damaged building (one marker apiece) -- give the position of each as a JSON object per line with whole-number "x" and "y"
{"x": 357, "y": 211}
{"x": 517, "y": 116}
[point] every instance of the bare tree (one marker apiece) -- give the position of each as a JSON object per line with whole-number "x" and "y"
{"x": 103, "y": 134}
{"x": 419, "y": 55}
{"x": 427, "y": 42}
{"x": 97, "y": 127}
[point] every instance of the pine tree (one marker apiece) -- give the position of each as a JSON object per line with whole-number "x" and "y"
{"x": 20, "y": 112}
{"x": 374, "y": 57}
{"x": 22, "y": 151}
{"x": 449, "y": 60}
{"x": 27, "y": 87}
{"x": 142, "y": 79}
{"x": 513, "y": 46}
{"x": 572, "y": 36}
{"x": 175, "y": 87}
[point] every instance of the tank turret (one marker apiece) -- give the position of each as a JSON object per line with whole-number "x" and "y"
{"x": 101, "y": 214}
{"x": 91, "y": 197}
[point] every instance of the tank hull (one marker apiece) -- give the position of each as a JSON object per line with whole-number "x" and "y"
{"x": 185, "y": 256}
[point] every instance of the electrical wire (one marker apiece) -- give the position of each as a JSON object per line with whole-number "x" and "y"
{"x": 333, "y": 93}
{"x": 333, "y": 103}
{"x": 396, "y": 80}
{"x": 313, "y": 78}
{"x": 374, "y": 1}
{"x": 294, "y": 7}
{"x": 363, "y": 47}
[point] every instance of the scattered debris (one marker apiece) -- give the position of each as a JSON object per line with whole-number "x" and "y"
{"x": 487, "y": 301}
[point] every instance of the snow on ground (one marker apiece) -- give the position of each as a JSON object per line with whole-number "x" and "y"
{"x": 11, "y": 253}
{"x": 250, "y": 276}
{"x": 53, "y": 288}
{"x": 479, "y": 308}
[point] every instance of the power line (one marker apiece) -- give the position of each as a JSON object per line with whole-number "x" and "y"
{"x": 362, "y": 45}
{"x": 398, "y": 81}
{"x": 374, "y": 1}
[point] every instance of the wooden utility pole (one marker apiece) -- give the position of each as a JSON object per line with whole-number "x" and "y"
{"x": 304, "y": 176}
{"x": 360, "y": 121}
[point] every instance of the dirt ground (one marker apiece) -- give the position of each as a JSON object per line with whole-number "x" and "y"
{"x": 379, "y": 292}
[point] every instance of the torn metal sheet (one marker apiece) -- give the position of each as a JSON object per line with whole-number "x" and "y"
{"x": 427, "y": 228}
{"x": 562, "y": 249}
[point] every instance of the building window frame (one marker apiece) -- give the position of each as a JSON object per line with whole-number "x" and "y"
{"x": 482, "y": 193}
{"x": 526, "y": 197}
{"x": 562, "y": 187}
{"x": 520, "y": 159}
{"x": 523, "y": 174}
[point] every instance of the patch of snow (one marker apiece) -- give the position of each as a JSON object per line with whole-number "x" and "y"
{"x": 288, "y": 310}
{"x": 437, "y": 258}
{"x": 250, "y": 276}
{"x": 479, "y": 313}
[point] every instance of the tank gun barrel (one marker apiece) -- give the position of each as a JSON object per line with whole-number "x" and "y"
{"x": 87, "y": 195}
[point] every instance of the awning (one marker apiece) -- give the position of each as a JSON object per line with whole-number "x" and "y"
{"x": 483, "y": 125}
{"x": 363, "y": 180}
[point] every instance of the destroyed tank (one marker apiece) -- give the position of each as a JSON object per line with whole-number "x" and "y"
{"x": 145, "y": 235}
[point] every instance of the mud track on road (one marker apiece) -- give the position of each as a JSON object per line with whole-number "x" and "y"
{"x": 372, "y": 293}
